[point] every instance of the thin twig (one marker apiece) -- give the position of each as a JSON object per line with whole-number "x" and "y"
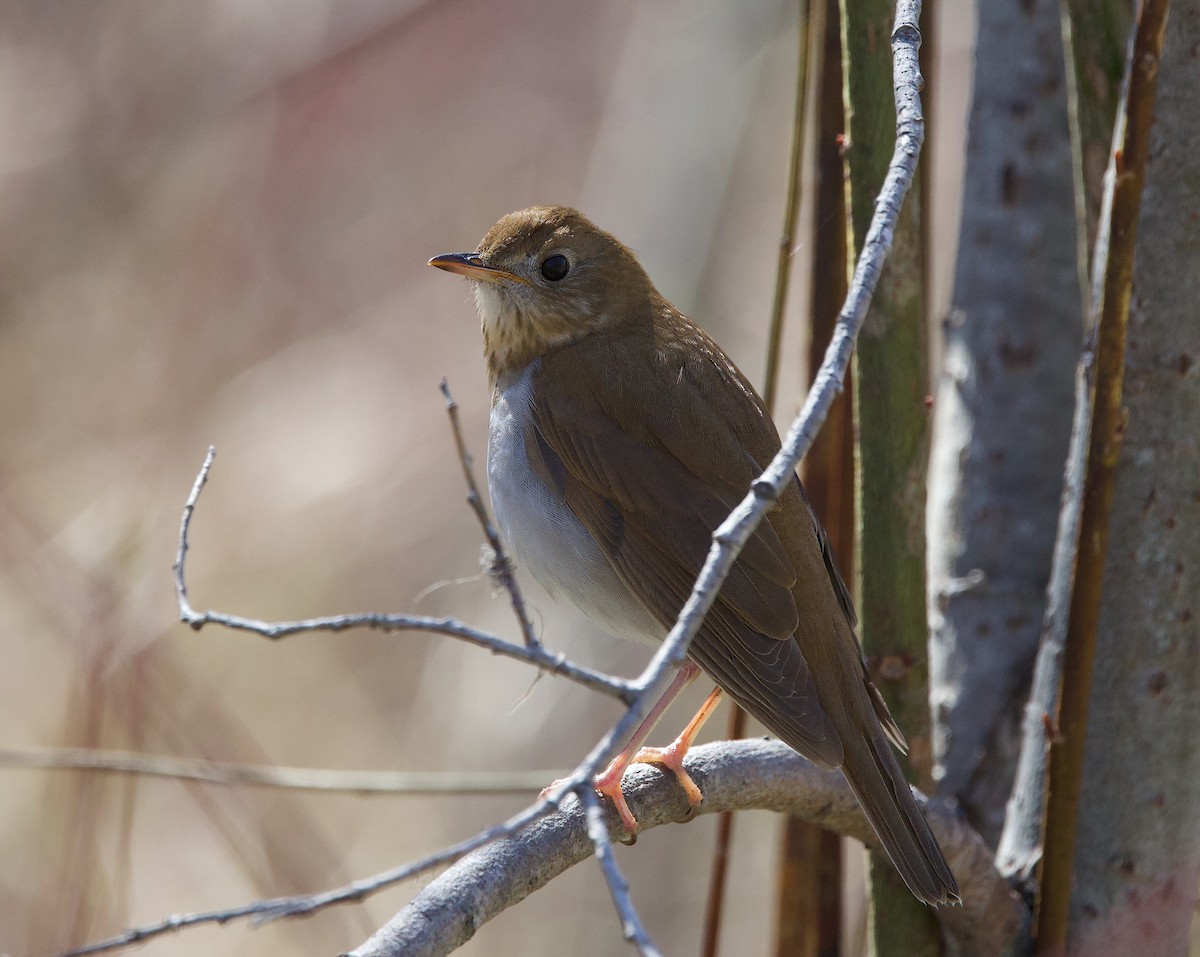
{"x": 597, "y": 829}
{"x": 185, "y": 523}
{"x": 501, "y": 566}
{"x": 258, "y": 775}
{"x": 534, "y": 654}
{"x": 1067, "y": 752}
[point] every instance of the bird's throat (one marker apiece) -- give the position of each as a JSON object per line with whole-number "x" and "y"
{"x": 515, "y": 333}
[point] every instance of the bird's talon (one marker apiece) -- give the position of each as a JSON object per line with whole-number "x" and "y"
{"x": 671, "y": 759}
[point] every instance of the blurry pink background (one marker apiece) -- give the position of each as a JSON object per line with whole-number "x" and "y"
{"x": 214, "y": 222}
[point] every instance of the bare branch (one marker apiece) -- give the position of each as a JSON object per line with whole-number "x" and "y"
{"x": 302, "y": 779}
{"x": 734, "y": 775}
{"x": 533, "y": 654}
{"x": 598, "y": 834}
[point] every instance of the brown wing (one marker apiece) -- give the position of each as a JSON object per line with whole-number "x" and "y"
{"x": 651, "y": 483}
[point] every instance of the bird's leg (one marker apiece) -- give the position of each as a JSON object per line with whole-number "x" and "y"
{"x": 671, "y": 757}
{"x": 608, "y": 782}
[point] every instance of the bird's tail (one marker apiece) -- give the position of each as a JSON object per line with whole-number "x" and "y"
{"x": 870, "y": 766}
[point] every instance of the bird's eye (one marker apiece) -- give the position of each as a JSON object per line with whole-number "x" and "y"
{"x": 555, "y": 267}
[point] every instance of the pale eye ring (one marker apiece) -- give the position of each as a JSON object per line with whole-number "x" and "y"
{"x": 555, "y": 267}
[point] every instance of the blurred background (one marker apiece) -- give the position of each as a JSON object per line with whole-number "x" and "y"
{"x": 214, "y": 222}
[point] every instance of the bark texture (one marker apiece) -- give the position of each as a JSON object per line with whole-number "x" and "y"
{"x": 1137, "y": 857}
{"x": 1003, "y": 407}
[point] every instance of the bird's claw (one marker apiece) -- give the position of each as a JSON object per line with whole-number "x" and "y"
{"x": 671, "y": 758}
{"x": 608, "y": 784}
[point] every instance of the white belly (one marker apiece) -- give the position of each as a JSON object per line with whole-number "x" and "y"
{"x": 542, "y": 533}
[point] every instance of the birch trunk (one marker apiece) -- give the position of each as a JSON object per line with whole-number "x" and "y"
{"x": 1003, "y": 409}
{"x": 1137, "y": 856}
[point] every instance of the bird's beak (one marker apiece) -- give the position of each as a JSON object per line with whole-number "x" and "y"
{"x": 473, "y": 267}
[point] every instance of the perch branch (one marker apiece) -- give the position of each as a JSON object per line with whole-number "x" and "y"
{"x": 523, "y": 854}
{"x": 734, "y": 775}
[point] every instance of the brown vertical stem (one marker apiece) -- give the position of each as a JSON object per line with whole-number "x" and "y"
{"x": 810, "y": 878}
{"x": 737, "y": 717}
{"x": 1066, "y": 749}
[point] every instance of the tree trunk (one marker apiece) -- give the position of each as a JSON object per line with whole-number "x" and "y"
{"x": 1004, "y": 401}
{"x": 1137, "y": 857}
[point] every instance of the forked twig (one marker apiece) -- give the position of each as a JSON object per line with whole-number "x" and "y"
{"x": 534, "y": 654}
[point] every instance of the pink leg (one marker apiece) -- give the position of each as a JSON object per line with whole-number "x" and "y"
{"x": 671, "y": 757}
{"x": 608, "y": 782}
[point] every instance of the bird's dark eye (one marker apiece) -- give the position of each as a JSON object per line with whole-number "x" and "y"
{"x": 555, "y": 267}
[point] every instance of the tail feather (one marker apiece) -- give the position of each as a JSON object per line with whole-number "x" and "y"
{"x": 857, "y": 710}
{"x": 875, "y": 777}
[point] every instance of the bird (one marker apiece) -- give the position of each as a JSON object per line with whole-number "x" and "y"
{"x": 620, "y": 437}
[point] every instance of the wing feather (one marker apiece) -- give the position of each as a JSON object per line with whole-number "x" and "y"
{"x": 653, "y": 514}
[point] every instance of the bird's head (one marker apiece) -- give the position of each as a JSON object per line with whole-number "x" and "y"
{"x": 545, "y": 277}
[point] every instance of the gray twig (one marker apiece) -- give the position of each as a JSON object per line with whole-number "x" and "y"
{"x": 534, "y": 654}
{"x": 602, "y": 850}
{"x": 501, "y": 569}
{"x": 258, "y": 775}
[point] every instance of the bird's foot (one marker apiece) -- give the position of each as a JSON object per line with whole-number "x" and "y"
{"x": 671, "y": 757}
{"x": 608, "y": 784}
